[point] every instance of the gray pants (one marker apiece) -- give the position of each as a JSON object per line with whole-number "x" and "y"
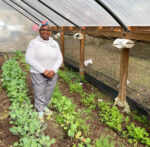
{"x": 43, "y": 88}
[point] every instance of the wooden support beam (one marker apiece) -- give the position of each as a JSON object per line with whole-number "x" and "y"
{"x": 136, "y": 32}
{"x": 82, "y": 52}
{"x": 123, "y": 74}
{"x": 50, "y": 31}
{"x": 120, "y": 100}
{"x": 62, "y": 43}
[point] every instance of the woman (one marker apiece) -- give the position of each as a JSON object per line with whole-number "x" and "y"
{"x": 44, "y": 57}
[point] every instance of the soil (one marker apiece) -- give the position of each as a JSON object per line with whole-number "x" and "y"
{"x": 53, "y": 129}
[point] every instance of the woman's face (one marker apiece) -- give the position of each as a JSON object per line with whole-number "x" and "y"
{"x": 44, "y": 32}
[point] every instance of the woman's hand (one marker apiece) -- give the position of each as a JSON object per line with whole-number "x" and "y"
{"x": 46, "y": 73}
{"x": 49, "y": 74}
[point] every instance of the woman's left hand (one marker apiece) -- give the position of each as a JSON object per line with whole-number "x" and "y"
{"x": 51, "y": 74}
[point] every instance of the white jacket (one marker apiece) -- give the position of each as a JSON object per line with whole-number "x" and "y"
{"x": 43, "y": 55}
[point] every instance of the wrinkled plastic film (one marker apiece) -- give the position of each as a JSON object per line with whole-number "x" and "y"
{"x": 31, "y": 11}
{"x": 131, "y": 12}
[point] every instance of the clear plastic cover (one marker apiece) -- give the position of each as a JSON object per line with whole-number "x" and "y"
{"x": 28, "y": 9}
{"x": 27, "y": 15}
{"x": 15, "y": 29}
{"x": 53, "y": 16}
{"x": 90, "y": 13}
{"x": 131, "y": 12}
{"x": 81, "y": 12}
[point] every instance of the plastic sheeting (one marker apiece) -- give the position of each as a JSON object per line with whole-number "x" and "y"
{"x": 28, "y": 9}
{"x": 53, "y": 16}
{"x": 131, "y": 12}
{"x": 82, "y": 12}
{"x": 90, "y": 13}
{"x": 93, "y": 15}
{"x": 5, "y": 6}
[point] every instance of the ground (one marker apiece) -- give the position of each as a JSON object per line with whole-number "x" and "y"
{"x": 54, "y": 130}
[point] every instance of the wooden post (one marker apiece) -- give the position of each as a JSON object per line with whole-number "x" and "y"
{"x": 123, "y": 74}
{"x": 82, "y": 52}
{"x": 62, "y": 43}
{"x": 121, "y": 98}
{"x": 50, "y": 31}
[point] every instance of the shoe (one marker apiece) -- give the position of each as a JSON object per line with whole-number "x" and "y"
{"x": 40, "y": 117}
{"x": 47, "y": 111}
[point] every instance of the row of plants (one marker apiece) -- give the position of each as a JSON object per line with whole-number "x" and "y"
{"x": 22, "y": 115}
{"x": 69, "y": 118}
{"x": 20, "y": 56}
{"x": 109, "y": 114}
{"x": 122, "y": 125}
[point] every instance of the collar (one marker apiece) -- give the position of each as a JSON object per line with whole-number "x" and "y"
{"x": 46, "y": 41}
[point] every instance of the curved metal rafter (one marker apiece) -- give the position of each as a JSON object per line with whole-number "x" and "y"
{"x": 59, "y": 14}
{"x": 113, "y": 15}
{"x": 25, "y": 10}
{"x": 40, "y": 13}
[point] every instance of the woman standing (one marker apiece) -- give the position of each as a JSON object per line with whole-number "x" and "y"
{"x": 44, "y": 57}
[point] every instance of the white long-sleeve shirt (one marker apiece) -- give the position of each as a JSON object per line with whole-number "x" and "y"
{"x": 43, "y": 55}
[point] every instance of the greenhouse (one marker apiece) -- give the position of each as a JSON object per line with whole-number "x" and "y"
{"x": 101, "y": 97}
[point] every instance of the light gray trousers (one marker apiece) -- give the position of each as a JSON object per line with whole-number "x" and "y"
{"x": 43, "y": 88}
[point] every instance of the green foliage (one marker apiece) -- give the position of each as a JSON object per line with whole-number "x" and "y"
{"x": 104, "y": 141}
{"x": 111, "y": 116}
{"x": 85, "y": 142}
{"x": 143, "y": 119}
{"x": 70, "y": 76}
{"x": 31, "y": 141}
{"x": 23, "y": 117}
{"x": 76, "y": 87}
{"x": 138, "y": 134}
{"x": 19, "y": 55}
{"x": 69, "y": 119}
{"x": 88, "y": 99}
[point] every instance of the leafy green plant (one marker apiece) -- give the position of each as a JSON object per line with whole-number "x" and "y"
{"x": 88, "y": 99}
{"x": 138, "y": 134}
{"x": 20, "y": 56}
{"x": 111, "y": 116}
{"x": 76, "y": 87}
{"x": 143, "y": 119}
{"x": 31, "y": 141}
{"x": 104, "y": 141}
